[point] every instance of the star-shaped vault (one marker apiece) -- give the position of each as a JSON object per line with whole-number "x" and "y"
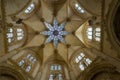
{"x": 55, "y": 32}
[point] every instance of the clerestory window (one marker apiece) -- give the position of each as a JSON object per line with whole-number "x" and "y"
{"x": 56, "y": 72}
{"x": 14, "y": 35}
{"x": 93, "y": 34}
{"x": 79, "y": 8}
{"x": 30, "y": 8}
{"x": 82, "y": 61}
{"x": 27, "y": 62}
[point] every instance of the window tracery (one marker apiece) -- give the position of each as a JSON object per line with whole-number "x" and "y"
{"x": 82, "y": 61}
{"x": 20, "y": 34}
{"x": 10, "y": 35}
{"x": 14, "y": 35}
{"x": 56, "y": 72}
{"x": 97, "y": 34}
{"x": 93, "y": 34}
{"x": 30, "y": 8}
{"x": 79, "y": 8}
{"x": 89, "y": 33}
{"x": 27, "y": 62}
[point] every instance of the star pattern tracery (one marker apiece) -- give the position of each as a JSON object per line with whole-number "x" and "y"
{"x": 55, "y": 33}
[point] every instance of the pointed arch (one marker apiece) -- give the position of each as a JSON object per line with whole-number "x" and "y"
{"x": 9, "y": 72}
{"x": 81, "y": 59}
{"x": 16, "y": 35}
{"x": 97, "y": 70}
{"x": 55, "y": 66}
{"x": 27, "y": 61}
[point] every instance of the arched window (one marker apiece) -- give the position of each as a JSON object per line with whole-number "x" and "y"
{"x": 89, "y": 33}
{"x": 56, "y": 72}
{"x": 14, "y": 34}
{"x": 79, "y": 8}
{"x": 30, "y": 8}
{"x": 10, "y": 35}
{"x": 93, "y": 34}
{"x": 97, "y": 34}
{"x": 27, "y": 62}
{"x": 82, "y": 61}
{"x": 20, "y": 34}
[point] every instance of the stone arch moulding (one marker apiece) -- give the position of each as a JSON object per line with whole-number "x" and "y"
{"x": 30, "y": 9}
{"x": 82, "y": 13}
{"x": 92, "y": 71}
{"x": 50, "y": 62}
{"x": 18, "y": 31}
{"x": 12, "y": 7}
{"x": 9, "y": 72}
{"x": 110, "y": 24}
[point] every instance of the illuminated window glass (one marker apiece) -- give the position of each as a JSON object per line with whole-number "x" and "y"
{"x": 93, "y": 33}
{"x": 27, "y": 62}
{"x": 20, "y": 34}
{"x": 56, "y": 72}
{"x": 97, "y": 34}
{"x": 28, "y": 68}
{"x": 10, "y": 35}
{"x": 82, "y": 61}
{"x": 89, "y": 33}
{"x": 30, "y": 8}
{"x": 81, "y": 66}
{"x": 14, "y": 35}
{"x": 88, "y": 61}
{"x": 79, "y": 57}
{"x": 79, "y": 8}
{"x": 21, "y": 63}
{"x": 51, "y": 77}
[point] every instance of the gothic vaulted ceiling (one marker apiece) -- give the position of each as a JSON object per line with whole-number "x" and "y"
{"x": 44, "y": 32}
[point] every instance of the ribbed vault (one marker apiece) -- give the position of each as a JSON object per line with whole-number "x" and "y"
{"x": 83, "y": 45}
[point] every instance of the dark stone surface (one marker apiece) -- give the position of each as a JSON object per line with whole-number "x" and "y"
{"x": 55, "y": 33}
{"x": 116, "y": 23}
